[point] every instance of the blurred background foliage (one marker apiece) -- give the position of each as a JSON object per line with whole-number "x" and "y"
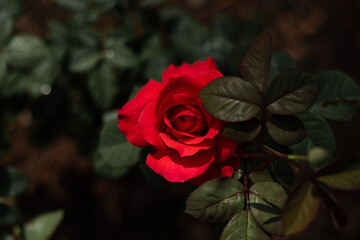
{"x": 65, "y": 63}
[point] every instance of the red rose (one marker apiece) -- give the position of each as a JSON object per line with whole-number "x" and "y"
{"x": 170, "y": 117}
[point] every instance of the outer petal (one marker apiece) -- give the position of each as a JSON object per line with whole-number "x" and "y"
{"x": 222, "y": 169}
{"x": 150, "y": 127}
{"x": 189, "y": 70}
{"x": 128, "y": 125}
{"x": 179, "y": 169}
{"x": 225, "y": 148}
{"x": 129, "y": 114}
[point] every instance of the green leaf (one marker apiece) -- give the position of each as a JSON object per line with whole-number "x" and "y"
{"x": 146, "y": 3}
{"x": 9, "y": 8}
{"x": 114, "y": 153}
{"x": 3, "y": 70}
{"x": 73, "y": 5}
{"x": 344, "y": 175}
{"x": 231, "y": 99}
{"x": 102, "y": 86}
{"x": 58, "y": 32}
{"x": 285, "y": 130}
{"x": 339, "y": 96}
{"x": 255, "y": 65}
{"x": 43, "y": 226}
{"x": 280, "y": 62}
{"x": 6, "y": 236}
{"x": 25, "y": 51}
{"x": 318, "y": 131}
{"x": 278, "y": 171}
{"x": 300, "y": 209}
{"x": 5, "y": 30}
{"x": 9, "y": 215}
{"x": 242, "y": 131}
{"x": 12, "y": 182}
{"x": 243, "y": 227}
{"x": 83, "y": 60}
{"x": 105, "y": 5}
{"x": 216, "y": 200}
{"x": 266, "y": 202}
{"x": 292, "y": 92}
{"x": 118, "y": 54}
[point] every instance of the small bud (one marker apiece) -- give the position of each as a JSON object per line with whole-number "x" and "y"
{"x": 318, "y": 156}
{"x": 238, "y": 174}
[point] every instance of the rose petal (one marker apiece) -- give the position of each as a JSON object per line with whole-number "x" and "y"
{"x": 225, "y": 148}
{"x": 222, "y": 169}
{"x": 150, "y": 127}
{"x": 187, "y": 69}
{"x": 128, "y": 125}
{"x": 183, "y": 149}
{"x": 129, "y": 114}
{"x": 179, "y": 169}
{"x": 150, "y": 92}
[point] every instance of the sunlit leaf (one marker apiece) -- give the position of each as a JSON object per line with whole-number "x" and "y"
{"x": 12, "y": 182}
{"x": 25, "y": 51}
{"x": 285, "y": 130}
{"x": 243, "y": 227}
{"x": 242, "y": 131}
{"x": 43, "y": 227}
{"x": 231, "y": 99}
{"x": 255, "y": 65}
{"x": 339, "y": 96}
{"x": 280, "y": 62}
{"x": 291, "y": 92}
{"x": 343, "y": 175}
{"x": 266, "y": 202}
{"x": 301, "y": 208}
{"x": 216, "y": 200}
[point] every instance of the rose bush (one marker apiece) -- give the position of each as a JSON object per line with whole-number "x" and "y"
{"x": 186, "y": 141}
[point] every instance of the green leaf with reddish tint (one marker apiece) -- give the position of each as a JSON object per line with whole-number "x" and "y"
{"x": 301, "y": 208}
{"x": 292, "y": 92}
{"x": 285, "y": 130}
{"x": 318, "y": 131}
{"x": 266, "y": 202}
{"x": 255, "y": 65}
{"x": 243, "y": 131}
{"x": 343, "y": 174}
{"x": 216, "y": 200}
{"x": 231, "y": 99}
{"x": 339, "y": 96}
{"x": 243, "y": 227}
{"x": 280, "y": 62}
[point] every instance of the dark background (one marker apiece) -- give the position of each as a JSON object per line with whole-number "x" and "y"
{"x": 318, "y": 34}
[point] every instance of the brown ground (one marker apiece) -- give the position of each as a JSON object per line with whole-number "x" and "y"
{"x": 327, "y": 32}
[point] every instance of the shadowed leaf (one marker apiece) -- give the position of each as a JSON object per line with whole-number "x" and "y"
{"x": 292, "y": 92}
{"x": 216, "y": 200}
{"x": 339, "y": 96}
{"x": 280, "y": 62}
{"x": 230, "y": 99}
{"x": 300, "y": 209}
{"x": 255, "y": 65}
{"x": 285, "y": 130}
{"x": 266, "y": 202}
{"x": 242, "y": 131}
{"x": 243, "y": 227}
